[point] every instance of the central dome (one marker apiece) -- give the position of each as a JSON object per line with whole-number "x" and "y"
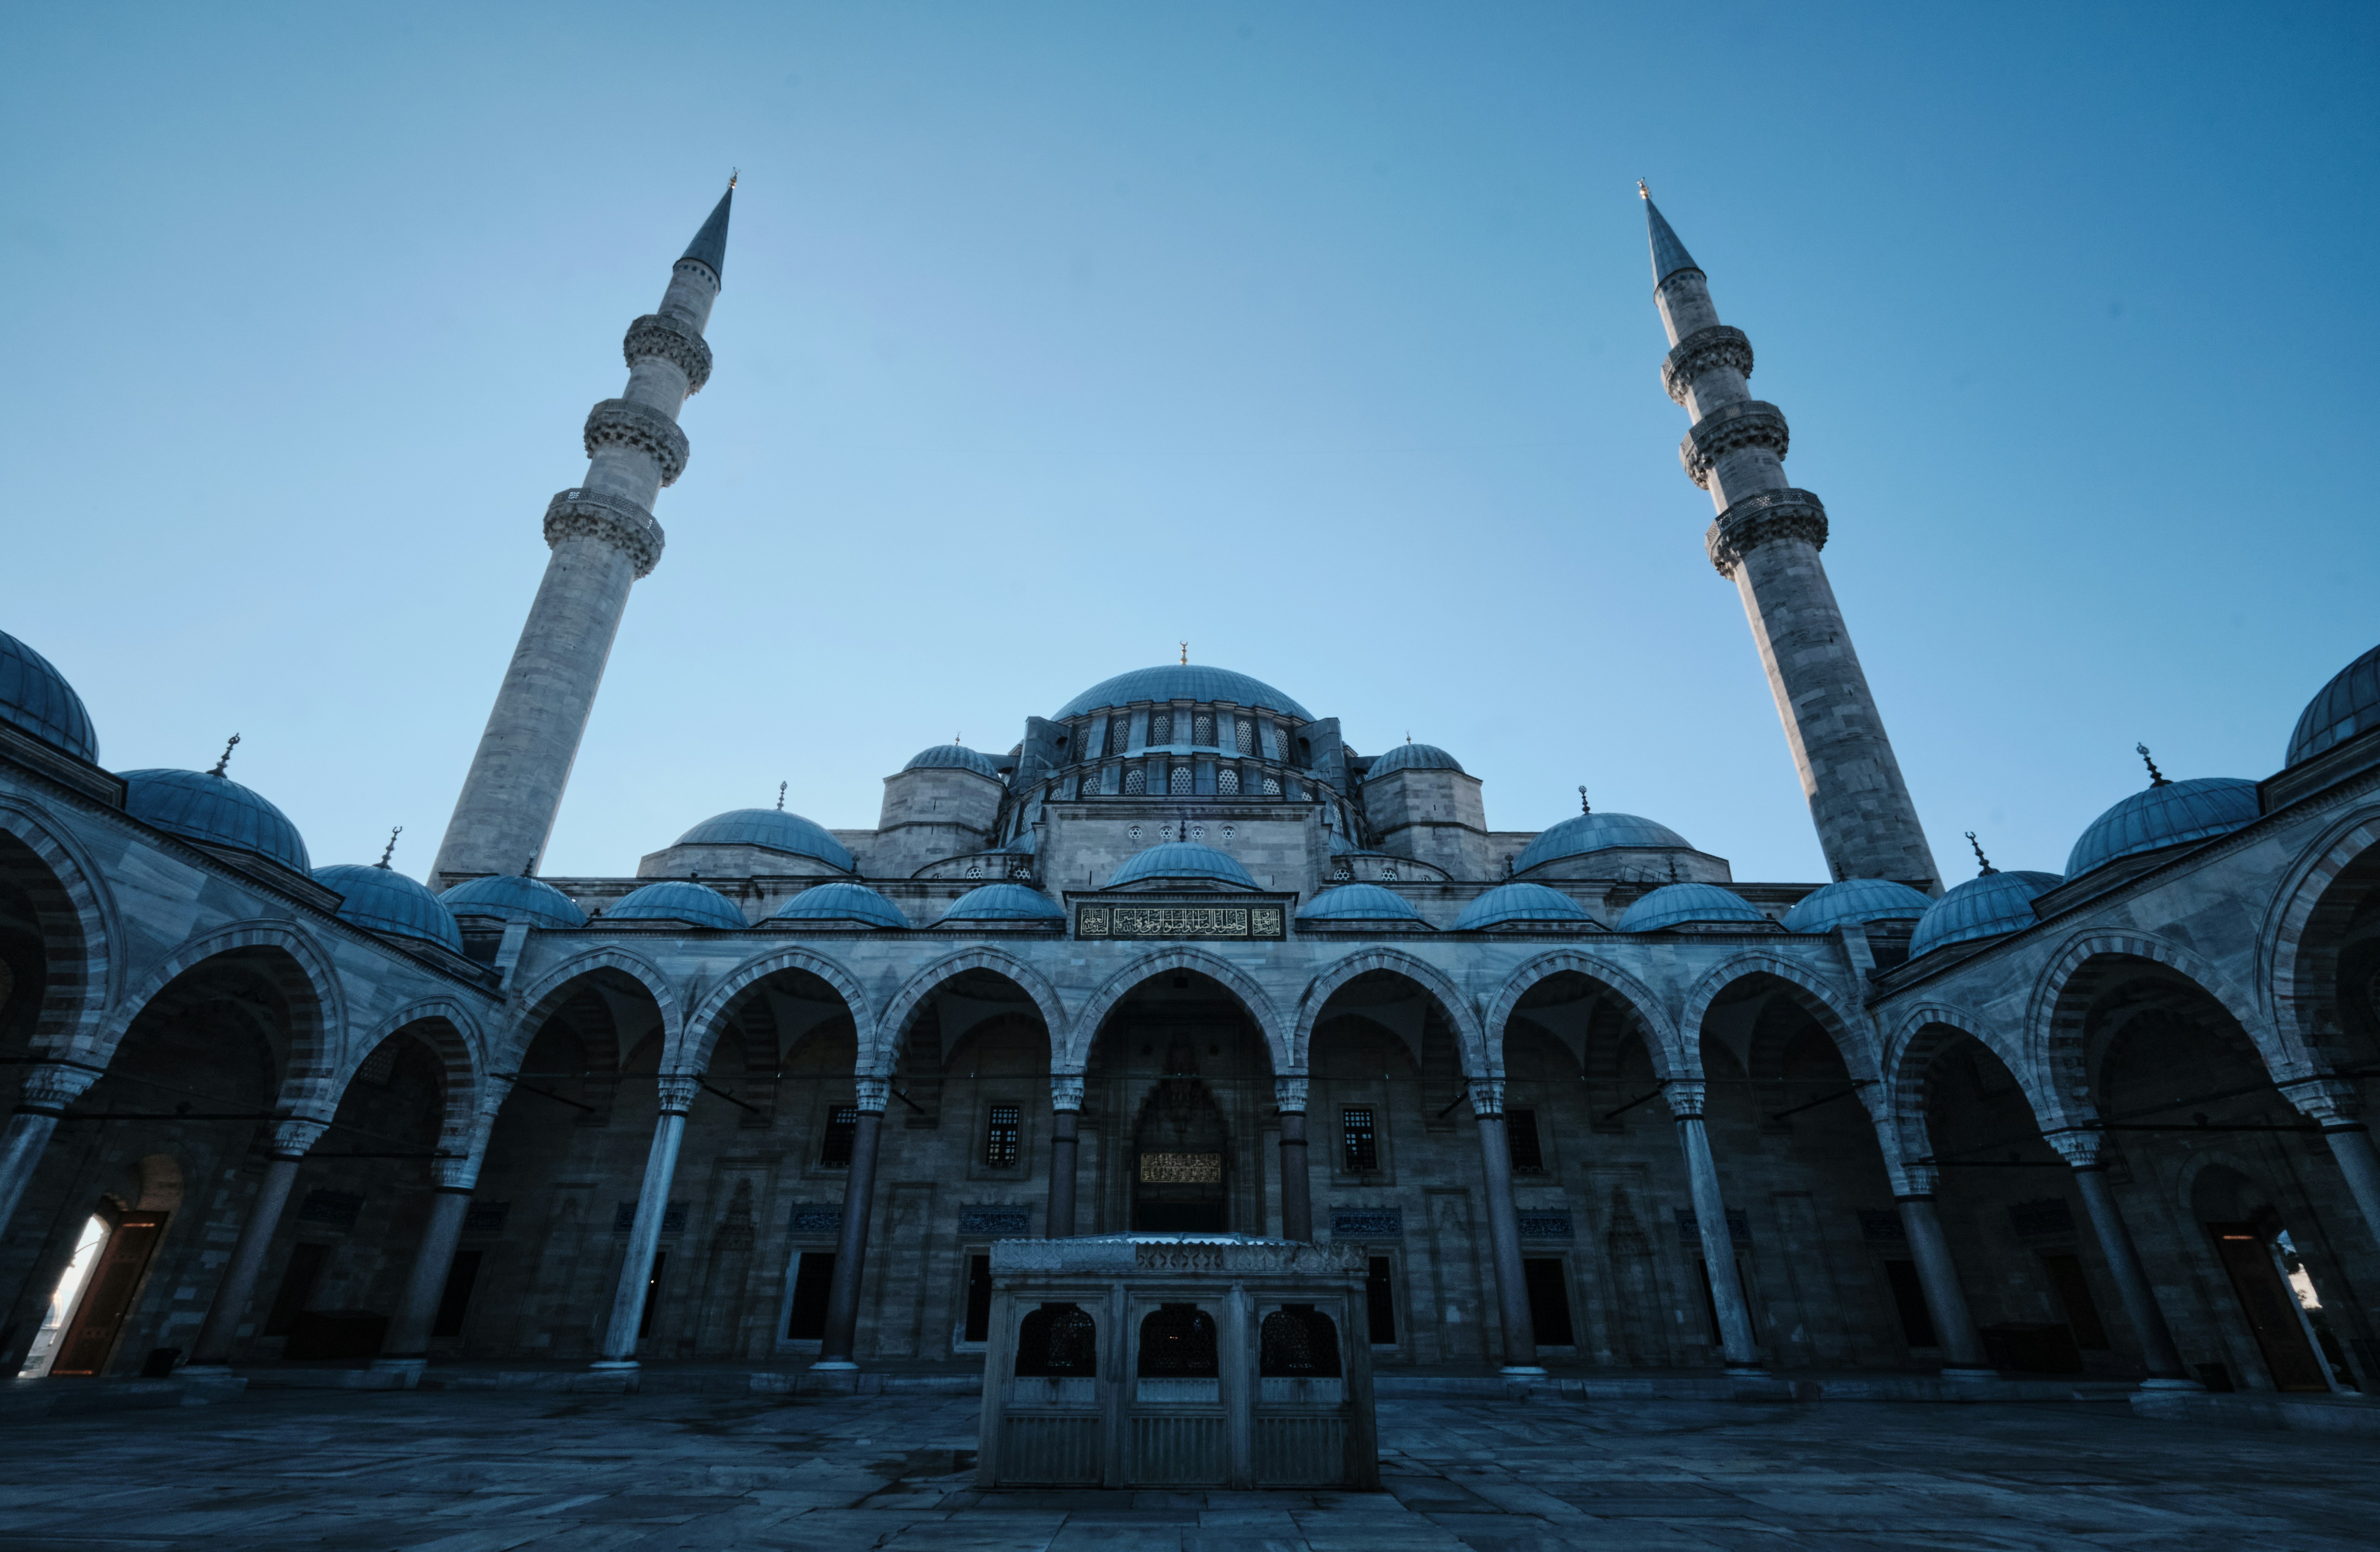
{"x": 1181, "y": 681}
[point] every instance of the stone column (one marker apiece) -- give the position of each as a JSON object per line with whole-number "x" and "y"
{"x": 1737, "y": 1343}
{"x": 50, "y": 1087}
{"x": 2334, "y": 1103}
{"x": 2084, "y": 1153}
{"x": 619, "y": 1347}
{"x": 291, "y": 1138}
{"x": 851, "y": 1248}
{"x": 408, "y": 1349}
{"x": 1297, "y": 1178}
{"x": 1066, "y": 1114}
{"x": 1504, "y": 1228}
{"x": 1937, "y": 1274}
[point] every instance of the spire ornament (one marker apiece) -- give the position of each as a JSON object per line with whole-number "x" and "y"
{"x": 389, "y": 850}
{"x": 2156, "y": 777}
{"x": 1986, "y": 868}
{"x": 226, "y": 755}
{"x": 1185, "y": 652}
{"x": 1584, "y": 806}
{"x": 529, "y": 868}
{"x": 780, "y": 797}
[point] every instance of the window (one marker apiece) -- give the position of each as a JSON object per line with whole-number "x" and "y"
{"x": 1521, "y": 1137}
{"x": 1549, "y": 1301}
{"x": 1247, "y": 734}
{"x": 1058, "y": 1342}
{"x": 1135, "y": 781}
{"x": 2074, "y": 1296}
{"x": 1119, "y": 733}
{"x": 1160, "y": 727}
{"x": 1380, "y": 1301}
{"x": 1360, "y": 1144}
{"x": 1227, "y": 782}
{"x": 841, "y": 1123}
{"x": 1272, "y": 786}
{"x": 1202, "y": 728}
{"x": 1177, "y": 782}
{"x": 1298, "y": 1341}
{"x": 813, "y": 1279}
{"x": 1908, "y": 1300}
{"x": 456, "y": 1297}
{"x": 1000, "y": 1137}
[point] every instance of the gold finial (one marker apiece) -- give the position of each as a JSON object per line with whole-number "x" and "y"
{"x": 733, "y": 174}
{"x": 1644, "y": 193}
{"x": 226, "y": 755}
{"x": 1185, "y": 651}
{"x": 389, "y": 850}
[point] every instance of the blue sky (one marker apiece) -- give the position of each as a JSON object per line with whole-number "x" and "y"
{"x": 1320, "y": 336}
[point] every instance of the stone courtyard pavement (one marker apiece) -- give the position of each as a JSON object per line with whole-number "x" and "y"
{"x": 480, "y": 1473}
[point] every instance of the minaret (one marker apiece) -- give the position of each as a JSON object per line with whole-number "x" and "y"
{"x": 1767, "y": 538}
{"x": 603, "y": 538}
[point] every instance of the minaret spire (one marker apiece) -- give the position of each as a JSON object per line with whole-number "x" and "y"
{"x": 1767, "y": 540}
{"x": 603, "y": 538}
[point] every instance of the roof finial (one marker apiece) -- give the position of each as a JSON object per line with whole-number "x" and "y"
{"x": 733, "y": 174}
{"x": 1185, "y": 651}
{"x": 529, "y": 868}
{"x": 2156, "y": 777}
{"x": 1408, "y": 735}
{"x": 1643, "y": 192}
{"x": 1582, "y": 807}
{"x": 226, "y": 755}
{"x": 780, "y": 797}
{"x": 1987, "y": 868}
{"x": 389, "y": 850}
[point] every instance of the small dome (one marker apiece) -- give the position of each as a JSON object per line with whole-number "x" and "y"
{"x": 214, "y": 809}
{"x": 1181, "y": 860}
{"x": 1856, "y": 900}
{"x": 2347, "y": 705}
{"x": 513, "y": 897}
{"x": 37, "y": 699}
{"x": 1181, "y": 681}
{"x": 677, "y": 900}
{"x": 1414, "y": 756}
{"x": 1004, "y": 902}
{"x": 1581, "y": 833}
{"x": 382, "y": 900}
{"x": 841, "y": 902}
{"x": 954, "y": 757}
{"x": 1508, "y": 904}
{"x": 1357, "y": 902}
{"x": 771, "y": 828}
{"x": 1677, "y": 904}
{"x": 2165, "y": 816}
{"x": 1990, "y": 906}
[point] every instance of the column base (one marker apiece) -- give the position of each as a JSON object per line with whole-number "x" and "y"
{"x": 202, "y": 1370}
{"x": 1522, "y": 1371}
{"x": 1746, "y": 1371}
{"x": 833, "y": 1365}
{"x": 2155, "y": 1384}
{"x": 607, "y": 1364}
{"x": 1968, "y": 1376}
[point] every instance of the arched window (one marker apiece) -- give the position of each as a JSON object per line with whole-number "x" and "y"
{"x": 1160, "y": 727}
{"x": 1272, "y": 786}
{"x": 1247, "y": 734}
{"x": 1177, "y": 1342}
{"x": 1177, "y": 783}
{"x": 1057, "y": 1342}
{"x": 1297, "y": 1341}
{"x": 1135, "y": 781}
{"x": 1119, "y": 733}
{"x": 1202, "y": 728}
{"x": 1227, "y": 782}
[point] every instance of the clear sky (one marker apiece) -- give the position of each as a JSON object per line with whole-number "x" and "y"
{"x": 1320, "y": 336}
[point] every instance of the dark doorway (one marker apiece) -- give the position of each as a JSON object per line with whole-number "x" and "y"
{"x": 1909, "y": 1298}
{"x": 1549, "y": 1300}
{"x": 978, "y": 1300}
{"x": 2073, "y": 1292}
{"x": 99, "y": 1319}
{"x": 1179, "y": 1147}
{"x": 1380, "y": 1301}
{"x": 2271, "y": 1310}
{"x": 652, "y": 1293}
{"x": 297, "y": 1280}
{"x": 456, "y": 1299}
{"x": 813, "y": 1275}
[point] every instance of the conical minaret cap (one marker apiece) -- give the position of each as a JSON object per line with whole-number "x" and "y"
{"x": 709, "y": 244}
{"x": 1669, "y": 255}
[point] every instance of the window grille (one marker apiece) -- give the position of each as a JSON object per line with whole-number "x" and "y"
{"x": 1000, "y": 1137}
{"x": 1177, "y": 784}
{"x": 1247, "y": 734}
{"x": 1119, "y": 733}
{"x": 1272, "y": 786}
{"x": 1135, "y": 781}
{"x": 974, "y": 870}
{"x": 1298, "y": 1341}
{"x": 1057, "y": 1341}
{"x": 1361, "y": 1148}
{"x": 1341, "y": 873}
{"x": 1521, "y": 1138}
{"x": 1178, "y": 1342}
{"x": 1227, "y": 782}
{"x": 1202, "y": 728}
{"x": 841, "y": 1123}
{"x": 1160, "y": 727}
{"x": 1021, "y": 870}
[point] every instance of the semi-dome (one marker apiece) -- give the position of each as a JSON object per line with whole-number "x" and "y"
{"x": 772, "y": 829}
{"x": 1181, "y": 681}
{"x": 1989, "y": 906}
{"x": 382, "y": 900}
{"x": 1410, "y": 756}
{"x": 2350, "y": 704}
{"x": 202, "y": 805}
{"x": 1357, "y": 902}
{"x": 1508, "y": 904}
{"x": 1581, "y": 833}
{"x": 954, "y": 757}
{"x": 1009, "y": 903}
{"x": 515, "y": 897}
{"x": 36, "y": 697}
{"x": 1856, "y": 900}
{"x": 2168, "y": 815}
{"x": 841, "y": 902}
{"x": 677, "y": 900}
{"x": 1183, "y": 859}
{"x": 1679, "y": 905}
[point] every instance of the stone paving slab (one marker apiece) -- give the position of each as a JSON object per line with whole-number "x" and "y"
{"x": 499, "y": 1470}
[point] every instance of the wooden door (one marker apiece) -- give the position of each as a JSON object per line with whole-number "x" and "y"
{"x": 2271, "y": 1309}
{"x": 115, "y": 1283}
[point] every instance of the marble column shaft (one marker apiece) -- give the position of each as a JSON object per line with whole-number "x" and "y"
{"x": 1296, "y": 1171}
{"x": 233, "y": 1294}
{"x": 851, "y": 1247}
{"x": 50, "y": 1087}
{"x": 1737, "y": 1343}
{"x": 618, "y": 1349}
{"x": 1504, "y": 1227}
{"x": 1937, "y": 1274}
{"x": 1065, "y": 1124}
{"x": 425, "y": 1286}
{"x": 2081, "y": 1152}
{"x": 2334, "y": 1104}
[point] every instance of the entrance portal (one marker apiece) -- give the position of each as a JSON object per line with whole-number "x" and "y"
{"x": 115, "y": 1283}
{"x": 1178, "y": 1152}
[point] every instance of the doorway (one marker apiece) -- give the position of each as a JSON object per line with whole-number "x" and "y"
{"x": 1178, "y": 1153}
{"x": 61, "y": 1309}
{"x": 2249, "y": 1259}
{"x": 122, "y": 1266}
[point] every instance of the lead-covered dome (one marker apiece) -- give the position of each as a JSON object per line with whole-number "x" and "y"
{"x": 515, "y": 897}
{"x": 1688, "y": 905}
{"x": 1521, "y": 905}
{"x": 2350, "y": 704}
{"x": 382, "y": 900}
{"x": 1005, "y": 902}
{"x": 1181, "y": 681}
{"x": 1581, "y": 833}
{"x": 1410, "y": 756}
{"x": 1357, "y": 902}
{"x": 677, "y": 900}
{"x": 1856, "y": 900}
{"x": 1183, "y": 859}
{"x": 841, "y": 902}
{"x": 36, "y": 697}
{"x": 1990, "y": 906}
{"x": 954, "y": 757}
{"x": 2171, "y": 814}
{"x": 201, "y": 806}
{"x": 771, "y": 829}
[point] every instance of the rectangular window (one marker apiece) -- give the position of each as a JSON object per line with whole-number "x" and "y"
{"x": 978, "y": 1300}
{"x": 1380, "y": 1301}
{"x": 813, "y": 1277}
{"x": 1521, "y": 1137}
{"x": 841, "y": 1123}
{"x": 1549, "y": 1300}
{"x": 456, "y": 1299}
{"x": 1909, "y": 1298}
{"x": 1361, "y": 1146}
{"x": 1002, "y": 1136}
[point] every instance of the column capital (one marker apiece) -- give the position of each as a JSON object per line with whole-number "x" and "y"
{"x": 626, "y": 423}
{"x": 671, "y": 340}
{"x": 677, "y": 1092}
{"x": 1756, "y": 520}
{"x": 1065, "y": 1091}
{"x": 2331, "y": 1101}
{"x": 1486, "y": 1097}
{"x": 1915, "y": 1182}
{"x": 296, "y": 1137}
{"x": 460, "y": 1176}
{"x": 873, "y": 1093}
{"x": 1289, "y": 1093}
{"x": 580, "y": 513}
{"x": 51, "y": 1086}
{"x": 1685, "y": 1097}
{"x": 2082, "y": 1148}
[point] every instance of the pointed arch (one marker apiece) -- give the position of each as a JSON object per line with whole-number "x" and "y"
{"x": 879, "y": 1054}
{"x": 1075, "y": 1054}
{"x": 1918, "y": 1037}
{"x": 1669, "y": 1057}
{"x": 1477, "y": 1060}
{"x": 76, "y": 913}
{"x": 546, "y": 996}
{"x": 703, "y": 1025}
{"x": 1842, "y": 1026}
{"x": 453, "y": 1037}
{"x": 2053, "y": 1037}
{"x": 303, "y": 971}
{"x": 2297, "y": 948}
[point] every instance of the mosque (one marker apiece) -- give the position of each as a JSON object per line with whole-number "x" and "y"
{"x": 1184, "y": 959}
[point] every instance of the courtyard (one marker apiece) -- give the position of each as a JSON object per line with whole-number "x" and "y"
{"x": 462, "y": 1471}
